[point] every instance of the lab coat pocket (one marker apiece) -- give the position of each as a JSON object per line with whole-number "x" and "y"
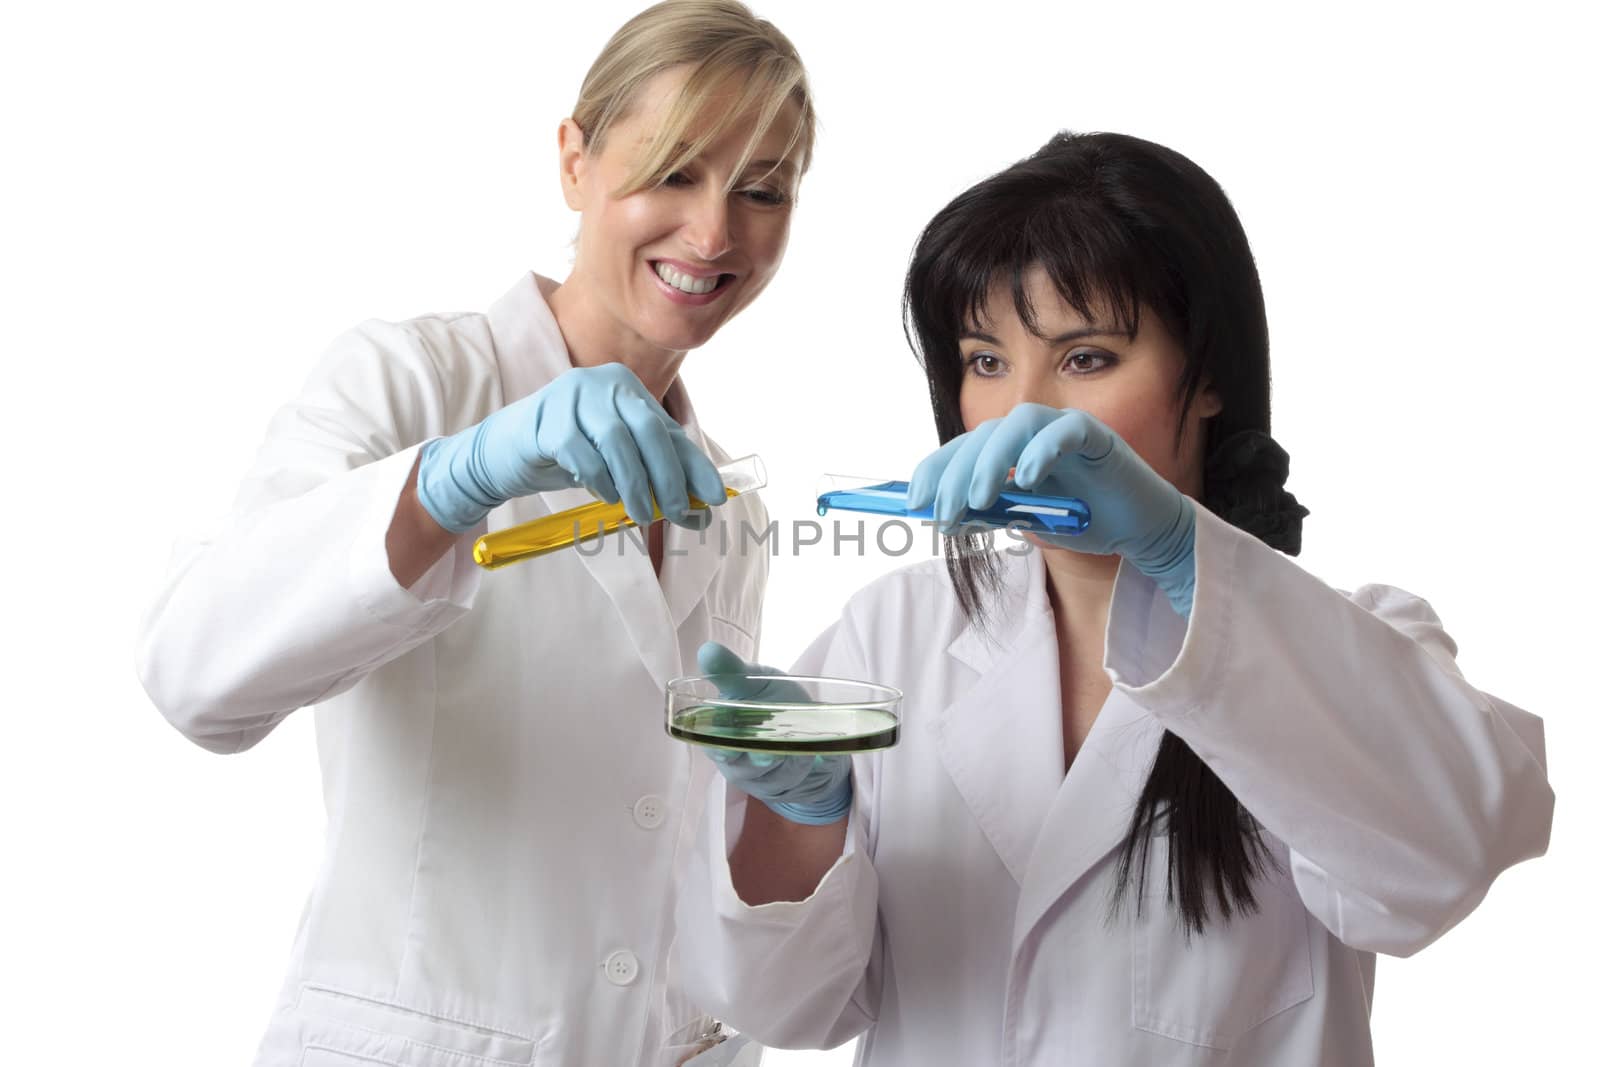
{"x": 349, "y": 1029}
{"x": 1212, "y": 989}
{"x": 317, "y": 1056}
{"x": 691, "y": 1039}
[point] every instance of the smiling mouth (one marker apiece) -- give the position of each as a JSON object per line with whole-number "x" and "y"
{"x": 689, "y": 283}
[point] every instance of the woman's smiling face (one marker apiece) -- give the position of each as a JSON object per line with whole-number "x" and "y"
{"x": 671, "y": 263}
{"x": 1128, "y": 383}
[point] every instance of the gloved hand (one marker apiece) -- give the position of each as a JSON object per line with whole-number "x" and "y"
{"x": 809, "y": 789}
{"x": 593, "y": 426}
{"x": 1134, "y": 512}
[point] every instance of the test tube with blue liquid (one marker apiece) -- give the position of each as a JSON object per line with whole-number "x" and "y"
{"x": 1014, "y": 509}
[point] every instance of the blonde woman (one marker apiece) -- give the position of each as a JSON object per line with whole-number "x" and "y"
{"x": 502, "y": 822}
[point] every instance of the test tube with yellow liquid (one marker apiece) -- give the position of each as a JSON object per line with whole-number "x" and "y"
{"x": 589, "y": 521}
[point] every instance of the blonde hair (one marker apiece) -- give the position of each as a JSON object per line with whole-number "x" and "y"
{"x": 724, "y": 44}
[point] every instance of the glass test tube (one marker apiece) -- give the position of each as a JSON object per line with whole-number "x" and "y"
{"x": 588, "y": 521}
{"x": 1014, "y": 509}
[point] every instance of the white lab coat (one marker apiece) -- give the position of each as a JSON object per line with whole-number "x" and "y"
{"x": 506, "y": 815}
{"x": 967, "y": 921}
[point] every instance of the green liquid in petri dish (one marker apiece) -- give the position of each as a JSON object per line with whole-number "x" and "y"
{"x": 827, "y": 729}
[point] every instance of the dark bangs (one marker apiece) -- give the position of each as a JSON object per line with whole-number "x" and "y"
{"x": 1087, "y": 256}
{"x": 1119, "y": 225}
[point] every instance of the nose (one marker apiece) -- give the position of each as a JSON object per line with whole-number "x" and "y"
{"x": 1036, "y": 385}
{"x": 707, "y": 229}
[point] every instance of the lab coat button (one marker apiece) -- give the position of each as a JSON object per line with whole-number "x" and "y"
{"x": 650, "y": 811}
{"x": 621, "y": 967}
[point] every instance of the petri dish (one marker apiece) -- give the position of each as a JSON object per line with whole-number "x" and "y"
{"x": 784, "y": 714}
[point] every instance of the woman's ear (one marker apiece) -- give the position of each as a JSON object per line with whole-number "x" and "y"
{"x": 574, "y": 163}
{"x": 1207, "y": 402}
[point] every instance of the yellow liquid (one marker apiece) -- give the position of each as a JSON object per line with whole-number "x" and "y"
{"x": 555, "y": 532}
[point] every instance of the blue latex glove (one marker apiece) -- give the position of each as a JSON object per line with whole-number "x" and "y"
{"x": 809, "y": 789}
{"x": 593, "y": 426}
{"x": 1134, "y": 512}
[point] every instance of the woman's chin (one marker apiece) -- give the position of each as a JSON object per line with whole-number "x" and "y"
{"x": 677, "y": 336}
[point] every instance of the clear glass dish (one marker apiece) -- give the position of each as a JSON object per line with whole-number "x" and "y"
{"x": 802, "y": 714}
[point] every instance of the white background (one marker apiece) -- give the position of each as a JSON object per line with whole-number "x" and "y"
{"x": 198, "y": 197}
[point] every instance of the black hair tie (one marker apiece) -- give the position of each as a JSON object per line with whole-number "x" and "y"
{"x": 1245, "y": 475}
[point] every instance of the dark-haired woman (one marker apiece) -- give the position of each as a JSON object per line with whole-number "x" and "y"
{"x": 1162, "y": 795}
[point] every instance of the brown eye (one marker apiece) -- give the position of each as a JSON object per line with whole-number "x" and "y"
{"x": 1089, "y": 360}
{"x": 984, "y": 364}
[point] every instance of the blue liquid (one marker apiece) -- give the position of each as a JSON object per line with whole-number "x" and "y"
{"x": 1057, "y": 515}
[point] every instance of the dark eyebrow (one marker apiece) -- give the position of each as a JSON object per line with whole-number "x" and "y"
{"x": 1058, "y": 339}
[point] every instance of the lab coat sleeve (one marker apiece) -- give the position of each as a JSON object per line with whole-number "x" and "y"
{"x": 293, "y": 601}
{"x": 1344, "y": 726}
{"x": 791, "y": 974}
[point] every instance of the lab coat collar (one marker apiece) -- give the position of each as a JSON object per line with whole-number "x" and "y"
{"x": 1010, "y": 717}
{"x": 528, "y": 343}
{"x": 1022, "y": 602}
{"x": 1049, "y": 828}
{"x": 693, "y": 558}
{"x": 531, "y": 353}
{"x": 1091, "y": 813}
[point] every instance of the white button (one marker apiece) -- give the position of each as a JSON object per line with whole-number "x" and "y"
{"x": 621, "y": 967}
{"x": 650, "y": 811}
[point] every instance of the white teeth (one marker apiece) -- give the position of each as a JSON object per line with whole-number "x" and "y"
{"x": 685, "y": 282}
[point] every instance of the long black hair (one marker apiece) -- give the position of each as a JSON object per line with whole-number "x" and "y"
{"x": 1124, "y": 226}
